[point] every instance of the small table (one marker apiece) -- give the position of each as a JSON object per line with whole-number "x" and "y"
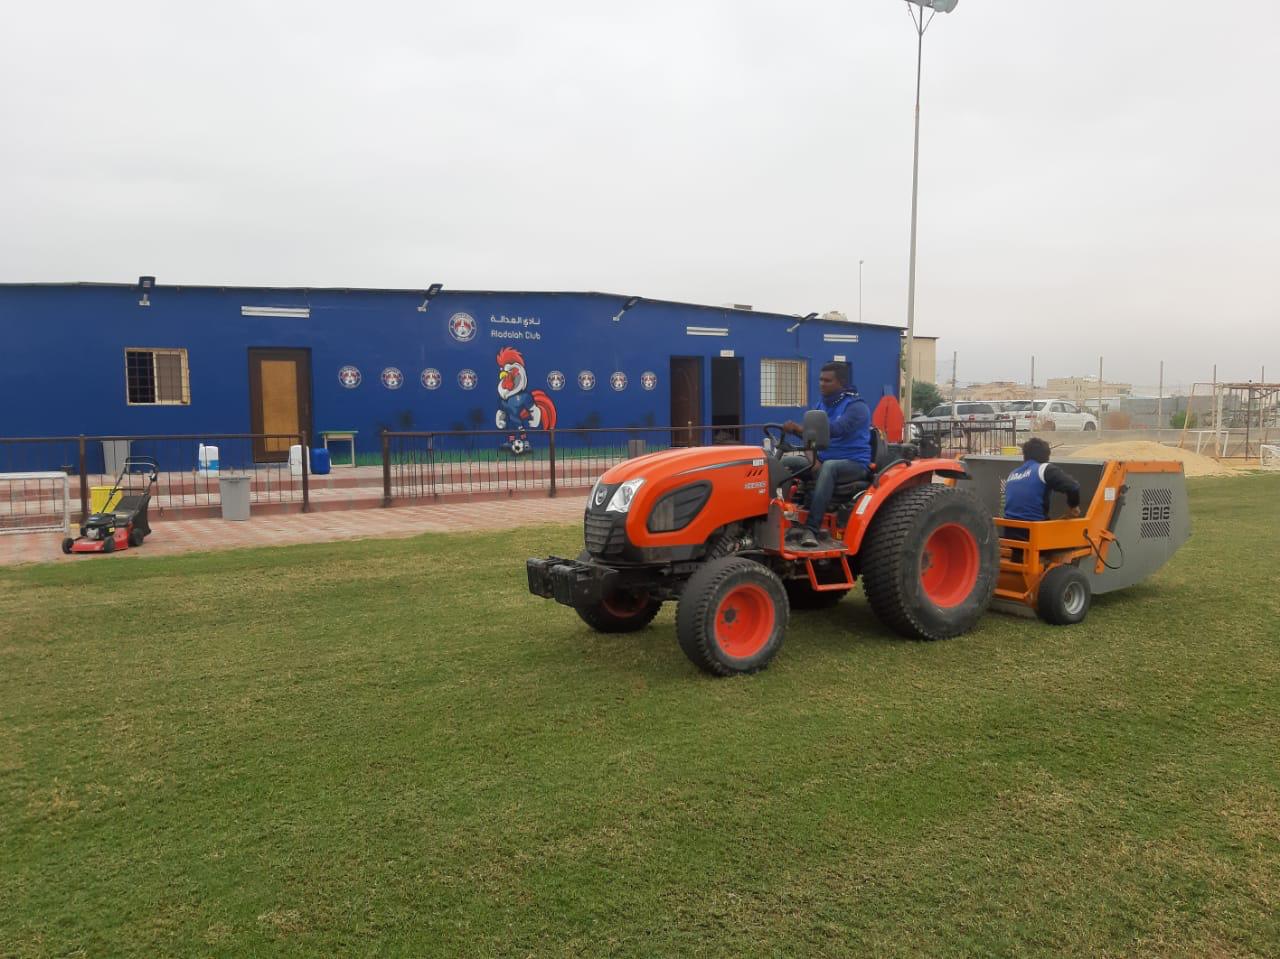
{"x": 342, "y": 436}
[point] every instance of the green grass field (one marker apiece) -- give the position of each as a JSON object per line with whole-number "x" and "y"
{"x": 390, "y": 748}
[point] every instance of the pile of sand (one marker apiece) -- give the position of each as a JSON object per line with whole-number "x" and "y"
{"x": 1193, "y": 464}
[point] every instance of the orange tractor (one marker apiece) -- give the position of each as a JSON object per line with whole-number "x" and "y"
{"x": 706, "y": 527}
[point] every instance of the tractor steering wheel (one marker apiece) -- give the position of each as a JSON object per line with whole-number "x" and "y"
{"x": 780, "y": 443}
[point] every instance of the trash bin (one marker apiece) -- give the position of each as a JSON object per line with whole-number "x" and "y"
{"x": 114, "y": 453}
{"x": 635, "y": 448}
{"x": 320, "y": 461}
{"x": 235, "y": 496}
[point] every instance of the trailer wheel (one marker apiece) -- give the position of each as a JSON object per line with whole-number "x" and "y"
{"x": 732, "y": 616}
{"x": 803, "y": 596}
{"x": 930, "y": 561}
{"x": 1064, "y": 596}
{"x": 620, "y": 612}
{"x": 67, "y": 544}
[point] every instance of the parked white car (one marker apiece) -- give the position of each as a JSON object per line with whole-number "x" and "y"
{"x": 1049, "y": 415}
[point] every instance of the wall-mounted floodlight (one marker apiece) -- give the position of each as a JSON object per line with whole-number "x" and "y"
{"x": 145, "y": 284}
{"x": 428, "y": 295}
{"x": 804, "y": 319}
{"x": 631, "y": 301}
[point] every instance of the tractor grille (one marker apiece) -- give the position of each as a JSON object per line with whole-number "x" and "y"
{"x": 605, "y": 533}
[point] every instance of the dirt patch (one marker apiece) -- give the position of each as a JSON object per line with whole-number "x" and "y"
{"x": 1193, "y": 464}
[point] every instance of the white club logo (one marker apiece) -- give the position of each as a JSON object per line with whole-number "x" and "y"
{"x": 467, "y": 379}
{"x": 587, "y": 380}
{"x": 462, "y": 327}
{"x": 431, "y": 378}
{"x": 349, "y": 377}
{"x": 649, "y": 379}
{"x": 392, "y": 378}
{"x": 618, "y": 380}
{"x": 555, "y": 380}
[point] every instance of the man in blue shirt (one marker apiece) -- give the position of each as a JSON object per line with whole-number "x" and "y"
{"x": 1029, "y": 487}
{"x": 848, "y": 455}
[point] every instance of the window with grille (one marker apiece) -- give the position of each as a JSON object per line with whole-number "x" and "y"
{"x": 157, "y": 377}
{"x": 784, "y": 382}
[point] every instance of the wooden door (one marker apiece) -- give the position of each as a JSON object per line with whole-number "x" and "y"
{"x": 686, "y": 400}
{"x": 279, "y": 400}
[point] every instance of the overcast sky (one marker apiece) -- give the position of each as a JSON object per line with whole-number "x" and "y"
{"x": 1096, "y": 177}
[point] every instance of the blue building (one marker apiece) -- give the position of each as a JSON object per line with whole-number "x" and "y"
{"x": 121, "y": 359}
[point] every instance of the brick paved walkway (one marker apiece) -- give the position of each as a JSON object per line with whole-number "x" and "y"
{"x": 171, "y": 537}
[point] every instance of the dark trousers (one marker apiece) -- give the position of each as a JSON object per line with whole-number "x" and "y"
{"x": 829, "y": 474}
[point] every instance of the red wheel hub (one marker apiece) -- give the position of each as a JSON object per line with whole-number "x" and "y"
{"x": 949, "y": 565}
{"x": 744, "y": 621}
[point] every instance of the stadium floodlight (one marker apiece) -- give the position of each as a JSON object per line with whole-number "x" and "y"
{"x": 921, "y": 24}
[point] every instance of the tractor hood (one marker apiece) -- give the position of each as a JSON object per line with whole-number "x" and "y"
{"x": 676, "y": 462}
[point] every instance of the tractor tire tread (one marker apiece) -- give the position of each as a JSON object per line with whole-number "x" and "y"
{"x": 702, "y": 591}
{"x": 883, "y": 556}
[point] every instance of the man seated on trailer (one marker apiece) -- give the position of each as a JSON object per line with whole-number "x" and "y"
{"x": 1028, "y": 488}
{"x": 847, "y": 457}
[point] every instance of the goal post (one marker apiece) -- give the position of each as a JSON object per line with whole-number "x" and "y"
{"x": 35, "y": 503}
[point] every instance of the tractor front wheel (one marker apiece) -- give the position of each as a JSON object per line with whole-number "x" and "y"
{"x": 732, "y": 616}
{"x": 1064, "y": 596}
{"x": 929, "y": 562}
{"x": 620, "y": 612}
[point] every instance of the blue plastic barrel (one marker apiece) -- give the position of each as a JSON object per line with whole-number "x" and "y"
{"x": 320, "y": 461}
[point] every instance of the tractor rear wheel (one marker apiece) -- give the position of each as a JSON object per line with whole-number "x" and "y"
{"x": 929, "y": 562}
{"x": 1064, "y": 596}
{"x": 620, "y": 612}
{"x": 732, "y": 616}
{"x": 803, "y": 596}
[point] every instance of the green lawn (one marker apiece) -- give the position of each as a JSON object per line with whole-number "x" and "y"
{"x": 390, "y": 748}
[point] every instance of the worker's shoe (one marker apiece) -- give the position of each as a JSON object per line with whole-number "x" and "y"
{"x": 801, "y": 537}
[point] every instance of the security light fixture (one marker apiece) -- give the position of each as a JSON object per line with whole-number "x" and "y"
{"x": 428, "y": 294}
{"x": 804, "y": 319}
{"x": 145, "y": 283}
{"x": 630, "y": 302}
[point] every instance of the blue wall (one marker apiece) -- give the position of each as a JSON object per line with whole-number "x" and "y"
{"x": 66, "y": 371}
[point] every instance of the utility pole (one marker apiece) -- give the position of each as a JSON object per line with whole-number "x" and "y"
{"x": 1099, "y": 392}
{"x": 1160, "y": 400}
{"x": 1214, "y": 408}
{"x": 1033, "y": 376}
{"x": 953, "y": 378}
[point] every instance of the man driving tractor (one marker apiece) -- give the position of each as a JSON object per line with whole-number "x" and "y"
{"x": 846, "y": 458}
{"x": 1029, "y": 487}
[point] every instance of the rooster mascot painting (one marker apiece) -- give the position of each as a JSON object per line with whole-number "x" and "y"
{"x": 520, "y": 409}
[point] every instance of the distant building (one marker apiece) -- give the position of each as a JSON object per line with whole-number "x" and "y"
{"x": 1085, "y": 389}
{"x": 998, "y": 390}
{"x": 925, "y": 352}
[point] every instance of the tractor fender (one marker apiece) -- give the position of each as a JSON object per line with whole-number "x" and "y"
{"x": 897, "y": 477}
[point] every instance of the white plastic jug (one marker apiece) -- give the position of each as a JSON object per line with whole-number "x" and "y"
{"x": 207, "y": 459}
{"x": 295, "y": 459}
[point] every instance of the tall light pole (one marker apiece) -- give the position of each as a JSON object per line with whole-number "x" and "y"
{"x": 921, "y": 24}
{"x": 860, "y": 262}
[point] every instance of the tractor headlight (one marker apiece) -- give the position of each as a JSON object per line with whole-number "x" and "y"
{"x": 623, "y": 496}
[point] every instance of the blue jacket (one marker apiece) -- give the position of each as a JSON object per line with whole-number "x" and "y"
{"x": 850, "y": 428}
{"x": 1028, "y": 488}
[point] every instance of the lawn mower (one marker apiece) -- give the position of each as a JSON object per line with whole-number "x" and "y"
{"x": 706, "y": 527}
{"x": 122, "y": 522}
{"x": 1134, "y": 518}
